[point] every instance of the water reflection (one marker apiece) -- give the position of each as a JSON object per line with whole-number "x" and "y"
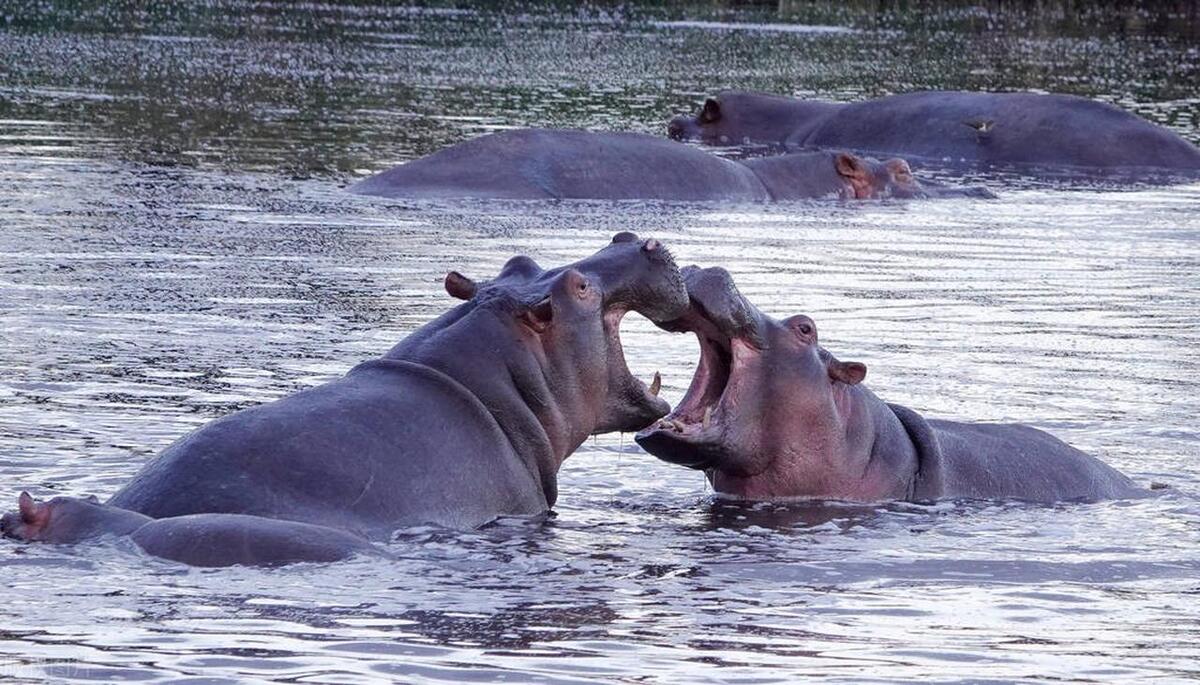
{"x": 176, "y": 245}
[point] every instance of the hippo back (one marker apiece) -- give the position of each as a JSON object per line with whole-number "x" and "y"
{"x": 562, "y": 164}
{"x": 1005, "y": 461}
{"x": 364, "y": 453}
{"x": 1001, "y": 128}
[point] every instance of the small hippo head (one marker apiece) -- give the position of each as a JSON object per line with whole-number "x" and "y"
{"x": 743, "y": 117}
{"x": 871, "y": 178}
{"x": 704, "y": 126}
{"x": 867, "y": 177}
{"x": 765, "y": 414}
{"x": 801, "y": 175}
{"x": 554, "y": 334}
{"x": 66, "y": 520}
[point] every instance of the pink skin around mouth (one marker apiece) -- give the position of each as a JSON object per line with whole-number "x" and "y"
{"x": 698, "y": 416}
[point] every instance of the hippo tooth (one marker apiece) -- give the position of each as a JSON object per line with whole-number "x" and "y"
{"x": 707, "y": 417}
{"x": 656, "y": 384}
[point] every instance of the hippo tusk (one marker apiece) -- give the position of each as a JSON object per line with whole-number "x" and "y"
{"x": 707, "y": 417}
{"x": 656, "y": 384}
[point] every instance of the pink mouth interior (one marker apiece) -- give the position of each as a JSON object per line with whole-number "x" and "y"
{"x": 707, "y": 390}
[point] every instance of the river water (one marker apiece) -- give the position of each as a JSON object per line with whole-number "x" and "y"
{"x": 176, "y": 244}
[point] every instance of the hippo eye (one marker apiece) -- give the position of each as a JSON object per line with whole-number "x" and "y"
{"x": 804, "y": 327}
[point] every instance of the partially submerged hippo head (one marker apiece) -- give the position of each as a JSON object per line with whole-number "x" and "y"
{"x": 66, "y": 520}
{"x": 847, "y": 176}
{"x": 558, "y": 331}
{"x": 767, "y": 405}
{"x": 742, "y": 117}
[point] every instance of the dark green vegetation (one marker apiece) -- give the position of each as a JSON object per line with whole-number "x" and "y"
{"x": 315, "y": 89}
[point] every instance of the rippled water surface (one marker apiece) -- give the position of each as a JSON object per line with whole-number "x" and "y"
{"x": 176, "y": 244}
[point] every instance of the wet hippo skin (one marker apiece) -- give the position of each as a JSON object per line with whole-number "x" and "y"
{"x": 968, "y": 128}
{"x": 467, "y": 419}
{"x": 197, "y": 540}
{"x": 772, "y": 414}
{"x": 531, "y": 164}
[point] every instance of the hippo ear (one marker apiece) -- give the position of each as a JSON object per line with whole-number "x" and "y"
{"x": 850, "y": 373}
{"x": 521, "y": 267}
{"x": 93, "y": 499}
{"x": 900, "y": 170}
{"x": 711, "y": 112}
{"x": 460, "y": 286}
{"x": 850, "y": 166}
{"x": 32, "y": 513}
{"x": 625, "y": 237}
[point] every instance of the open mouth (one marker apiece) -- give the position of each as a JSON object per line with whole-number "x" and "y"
{"x": 641, "y": 397}
{"x": 691, "y": 434}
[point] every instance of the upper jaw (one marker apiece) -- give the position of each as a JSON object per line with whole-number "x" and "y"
{"x": 653, "y": 287}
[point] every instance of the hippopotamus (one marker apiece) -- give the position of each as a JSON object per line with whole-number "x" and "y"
{"x": 198, "y": 540}
{"x": 953, "y": 127}
{"x": 466, "y": 420}
{"x": 533, "y": 164}
{"x": 772, "y": 414}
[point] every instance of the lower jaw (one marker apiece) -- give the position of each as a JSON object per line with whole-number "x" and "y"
{"x": 674, "y": 448}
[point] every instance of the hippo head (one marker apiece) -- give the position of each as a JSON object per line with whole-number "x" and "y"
{"x": 553, "y": 335}
{"x": 66, "y": 520}
{"x": 801, "y": 175}
{"x": 766, "y": 402}
{"x": 736, "y": 117}
{"x": 872, "y": 178}
{"x": 866, "y": 177}
{"x": 705, "y": 126}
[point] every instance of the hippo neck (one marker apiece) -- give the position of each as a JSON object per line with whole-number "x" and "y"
{"x": 927, "y": 474}
{"x": 99, "y": 520}
{"x": 893, "y": 461}
{"x": 798, "y": 176}
{"x": 505, "y": 379}
{"x": 808, "y": 117}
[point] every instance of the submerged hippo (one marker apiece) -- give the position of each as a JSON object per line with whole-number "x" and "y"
{"x": 533, "y": 164}
{"x": 771, "y": 414}
{"x": 198, "y": 539}
{"x": 467, "y": 419}
{"x": 972, "y": 129}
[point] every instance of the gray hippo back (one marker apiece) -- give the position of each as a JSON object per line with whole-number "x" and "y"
{"x": 972, "y": 129}
{"x": 197, "y": 540}
{"x": 533, "y": 164}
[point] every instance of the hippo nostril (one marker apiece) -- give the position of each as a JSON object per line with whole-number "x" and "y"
{"x": 625, "y": 237}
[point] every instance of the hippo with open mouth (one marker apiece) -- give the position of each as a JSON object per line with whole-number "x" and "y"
{"x": 467, "y": 419}
{"x": 535, "y": 164}
{"x": 771, "y": 414}
{"x": 1033, "y": 131}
